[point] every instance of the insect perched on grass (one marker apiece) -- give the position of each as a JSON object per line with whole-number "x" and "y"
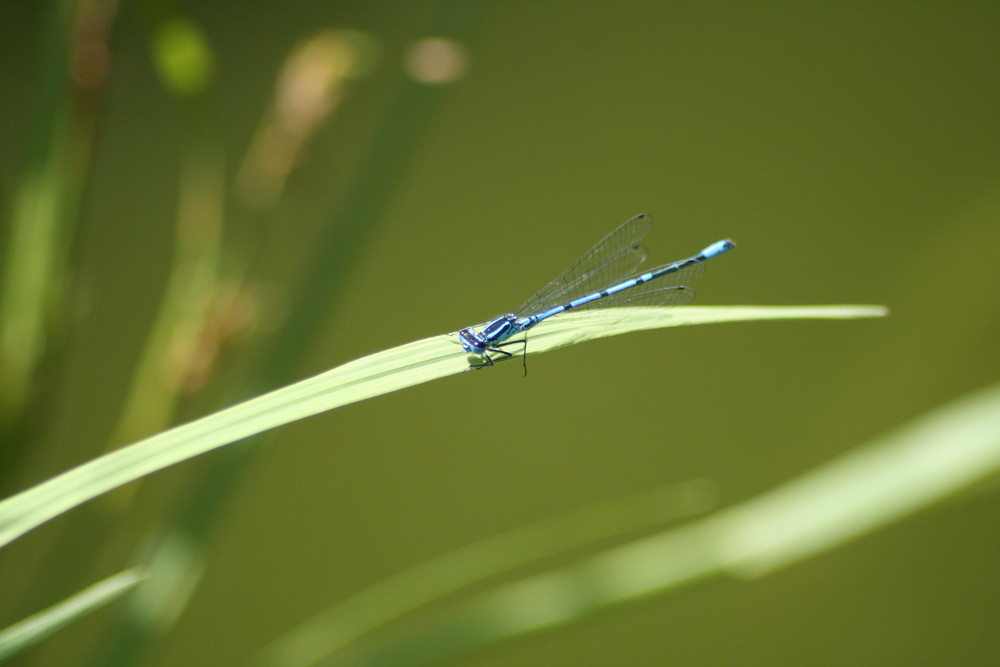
{"x": 596, "y": 280}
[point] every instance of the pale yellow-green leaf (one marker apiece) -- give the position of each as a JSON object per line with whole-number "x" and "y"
{"x": 374, "y": 375}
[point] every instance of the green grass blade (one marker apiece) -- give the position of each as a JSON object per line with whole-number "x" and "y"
{"x": 33, "y": 629}
{"x": 576, "y": 327}
{"x": 370, "y": 376}
{"x": 865, "y": 489}
{"x": 431, "y": 580}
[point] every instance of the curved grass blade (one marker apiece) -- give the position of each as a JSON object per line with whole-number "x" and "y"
{"x": 370, "y": 376}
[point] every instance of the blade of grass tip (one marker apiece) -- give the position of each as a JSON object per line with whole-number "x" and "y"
{"x": 151, "y": 611}
{"x": 897, "y": 474}
{"x": 391, "y": 598}
{"x": 364, "y": 378}
{"x": 580, "y": 326}
{"x": 37, "y": 627}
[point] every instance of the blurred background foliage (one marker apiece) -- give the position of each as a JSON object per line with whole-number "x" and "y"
{"x": 199, "y": 205}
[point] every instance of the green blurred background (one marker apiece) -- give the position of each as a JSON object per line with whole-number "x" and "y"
{"x": 851, "y": 149}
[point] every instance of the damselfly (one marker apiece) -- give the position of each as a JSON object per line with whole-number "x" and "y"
{"x": 596, "y": 281}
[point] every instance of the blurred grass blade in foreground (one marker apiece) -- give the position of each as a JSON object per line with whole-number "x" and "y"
{"x": 868, "y": 488}
{"x": 33, "y": 629}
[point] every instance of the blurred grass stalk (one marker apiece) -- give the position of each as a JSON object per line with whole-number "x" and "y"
{"x": 73, "y": 69}
{"x": 37, "y": 627}
{"x": 206, "y": 303}
{"x": 177, "y": 354}
{"x": 427, "y": 582}
{"x": 310, "y": 87}
{"x": 870, "y": 487}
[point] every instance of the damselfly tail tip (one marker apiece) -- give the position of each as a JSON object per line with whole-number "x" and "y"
{"x": 718, "y": 248}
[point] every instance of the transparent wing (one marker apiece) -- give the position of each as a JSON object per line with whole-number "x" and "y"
{"x": 652, "y": 296}
{"x": 618, "y": 254}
